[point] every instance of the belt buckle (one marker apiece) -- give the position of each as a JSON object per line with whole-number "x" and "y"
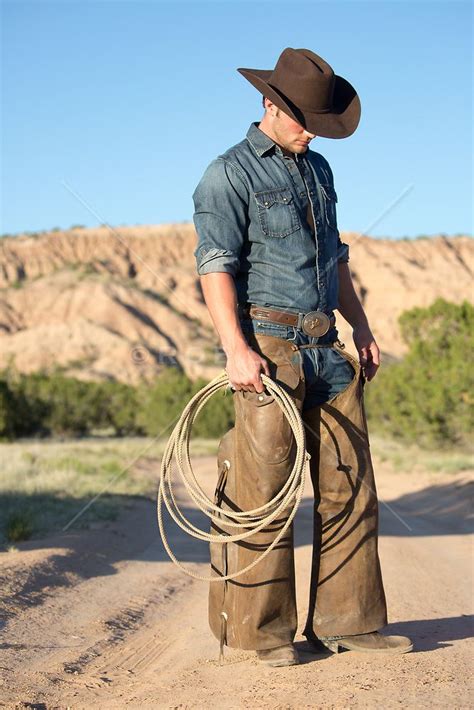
{"x": 315, "y": 324}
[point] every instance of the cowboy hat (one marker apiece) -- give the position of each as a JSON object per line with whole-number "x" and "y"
{"x": 305, "y": 87}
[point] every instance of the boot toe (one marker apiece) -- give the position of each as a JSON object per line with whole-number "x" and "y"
{"x": 280, "y": 656}
{"x": 370, "y": 643}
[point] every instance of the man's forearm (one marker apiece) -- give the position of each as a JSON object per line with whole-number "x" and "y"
{"x": 350, "y": 306}
{"x": 221, "y": 299}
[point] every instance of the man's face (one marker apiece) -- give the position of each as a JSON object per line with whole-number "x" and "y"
{"x": 287, "y": 132}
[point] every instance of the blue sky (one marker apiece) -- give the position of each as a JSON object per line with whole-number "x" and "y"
{"x": 127, "y": 102}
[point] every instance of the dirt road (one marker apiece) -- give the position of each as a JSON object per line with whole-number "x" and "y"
{"x": 102, "y": 619}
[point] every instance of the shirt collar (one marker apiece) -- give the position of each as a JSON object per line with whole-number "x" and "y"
{"x": 260, "y": 142}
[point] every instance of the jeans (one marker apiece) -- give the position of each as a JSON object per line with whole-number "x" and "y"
{"x": 326, "y": 371}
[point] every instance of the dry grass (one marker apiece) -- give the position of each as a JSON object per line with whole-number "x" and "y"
{"x": 409, "y": 458}
{"x": 45, "y": 483}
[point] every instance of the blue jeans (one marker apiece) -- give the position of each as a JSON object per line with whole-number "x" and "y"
{"x": 326, "y": 371}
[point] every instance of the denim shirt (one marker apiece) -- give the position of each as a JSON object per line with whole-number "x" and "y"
{"x": 251, "y": 209}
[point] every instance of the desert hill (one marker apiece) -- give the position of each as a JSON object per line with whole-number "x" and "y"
{"x": 122, "y": 303}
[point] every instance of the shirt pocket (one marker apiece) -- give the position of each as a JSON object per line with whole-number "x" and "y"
{"x": 277, "y": 212}
{"x": 330, "y": 199}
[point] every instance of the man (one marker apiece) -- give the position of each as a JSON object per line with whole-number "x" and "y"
{"x": 273, "y": 271}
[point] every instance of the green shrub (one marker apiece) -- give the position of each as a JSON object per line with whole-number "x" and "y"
{"x": 19, "y": 526}
{"x": 163, "y": 404}
{"x": 51, "y": 403}
{"x": 7, "y": 412}
{"x": 45, "y": 404}
{"x": 68, "y": 406}
{"x": 119, "y": 406}
{"x": 217, "y": 416}
{"x": 428, "y": 397}
{"x": 26, "y": 411}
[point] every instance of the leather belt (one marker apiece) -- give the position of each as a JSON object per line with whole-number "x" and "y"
{"x": 314, "y": 323}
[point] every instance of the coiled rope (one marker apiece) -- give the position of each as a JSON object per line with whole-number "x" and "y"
{"x": 249, "y": 522}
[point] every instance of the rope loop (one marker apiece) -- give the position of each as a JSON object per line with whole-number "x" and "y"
{"x": 245, "y": 523}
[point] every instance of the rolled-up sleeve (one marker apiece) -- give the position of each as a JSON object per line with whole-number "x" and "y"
{"x": 220, "y": 218}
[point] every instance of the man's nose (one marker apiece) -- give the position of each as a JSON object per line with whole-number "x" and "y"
{"x": 310, "y": 135}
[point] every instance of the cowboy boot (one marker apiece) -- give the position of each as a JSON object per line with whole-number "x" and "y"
{"x": 374, "y": 642}
{"x": 280, "y": 656}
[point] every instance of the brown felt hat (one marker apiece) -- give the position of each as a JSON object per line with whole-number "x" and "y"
{"x": 305, "y": 87}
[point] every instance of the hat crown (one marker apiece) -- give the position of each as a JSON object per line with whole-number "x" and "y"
{"x": 305, "y": 78}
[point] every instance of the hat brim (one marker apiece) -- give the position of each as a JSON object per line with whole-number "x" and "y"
{"x": 341, "y": 122}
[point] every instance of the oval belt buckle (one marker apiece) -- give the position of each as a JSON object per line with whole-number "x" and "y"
{"x": 315, "y": 323}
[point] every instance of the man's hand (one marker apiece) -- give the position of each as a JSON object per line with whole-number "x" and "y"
{"x": 369, "y": 353}
{"x": 351, "y": 308}
{"x": 243, "y": 367}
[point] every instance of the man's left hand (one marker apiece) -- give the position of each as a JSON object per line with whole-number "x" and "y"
{"x": 369, "y": 353}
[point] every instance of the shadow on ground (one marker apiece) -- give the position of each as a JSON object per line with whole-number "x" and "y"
{"x": 78, "y": 555}
{"x": 426, "y": 634}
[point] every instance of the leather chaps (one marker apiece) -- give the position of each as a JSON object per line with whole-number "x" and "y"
{"x": 346, "y": 593}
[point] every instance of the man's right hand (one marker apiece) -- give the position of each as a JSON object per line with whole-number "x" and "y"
{"x": 244, "y": 367}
